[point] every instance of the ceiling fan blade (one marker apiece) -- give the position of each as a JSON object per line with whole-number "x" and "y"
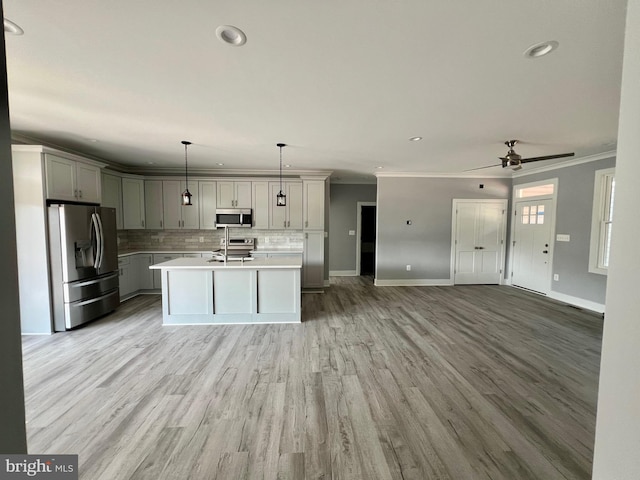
{"x": 547, "y": 157}
{"x": 480, "y": 168}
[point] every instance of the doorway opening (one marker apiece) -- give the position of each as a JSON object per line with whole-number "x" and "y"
{"x": 366, "y": 239}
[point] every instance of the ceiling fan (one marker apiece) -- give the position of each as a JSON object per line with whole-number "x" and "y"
{"x": 515, "y": 161}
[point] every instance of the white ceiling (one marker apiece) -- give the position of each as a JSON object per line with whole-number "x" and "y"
{"x": 344, "y": 83}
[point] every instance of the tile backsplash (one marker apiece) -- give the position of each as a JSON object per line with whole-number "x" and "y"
{"x": 199, "y": 240}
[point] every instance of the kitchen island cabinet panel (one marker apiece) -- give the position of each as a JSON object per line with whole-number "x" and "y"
{"x": 188, "y": 292}
{"x": 234, "y": 292}
{"x": 278, "y": 292}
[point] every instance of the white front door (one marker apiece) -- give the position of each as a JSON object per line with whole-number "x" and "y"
{"x": 479, "y": 241}
{"x": 532, "y": 245}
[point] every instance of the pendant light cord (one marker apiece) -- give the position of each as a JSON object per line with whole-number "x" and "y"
{"x": 186, "y": 170}
{"x": 281, "y": 169}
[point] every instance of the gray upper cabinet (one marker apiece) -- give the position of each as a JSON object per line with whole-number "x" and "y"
{"x": 207, "y": 200}
{"x": 289, "y": 216}
{"x": 112, "y": 195}
{"x": 313, "y": 204}
{"x": 153, "y": 210}
{"x": 234, "y": 194}
{"x": 176, "y": 215}
{"x": 70, "y": 180}
{"x": 133, "y": 205}
{"x": 260, "y": 204}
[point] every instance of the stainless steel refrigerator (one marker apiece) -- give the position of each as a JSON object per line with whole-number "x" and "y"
{"x": 83, "y": 257}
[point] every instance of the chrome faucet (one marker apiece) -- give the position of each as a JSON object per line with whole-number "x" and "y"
{"x": 226, "y": 242}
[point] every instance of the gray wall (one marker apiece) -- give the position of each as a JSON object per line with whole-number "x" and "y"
{"x": 344, "y": 214}
{"x": 427, "y": 202}
{"x": 573, "y": 217}
{"x": 13, "y": 438}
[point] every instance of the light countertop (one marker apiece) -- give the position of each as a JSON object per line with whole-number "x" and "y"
{"x": 203, "y": 264}
{"x": 278, "y": 250}
{"x": 125, "y": 253}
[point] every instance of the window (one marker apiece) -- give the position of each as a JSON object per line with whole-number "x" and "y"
{"x": 602, "y": 220}
{"x": 532, "y": 215}
{"x": 535, "y": 190}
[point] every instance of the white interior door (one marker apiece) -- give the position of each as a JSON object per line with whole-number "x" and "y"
{"x": 479, "y": 241}
{"x": 532, "y": 245}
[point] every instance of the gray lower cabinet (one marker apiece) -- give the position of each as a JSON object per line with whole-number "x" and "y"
{"x": 127, "y": 277}
{"x": 145, "y": 276}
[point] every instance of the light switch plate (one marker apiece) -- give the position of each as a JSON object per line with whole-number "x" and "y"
{"x": 563, "y": 238}
{"x": 352, "y": 232}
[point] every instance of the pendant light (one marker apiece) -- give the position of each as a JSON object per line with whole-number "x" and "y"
{"x": 186, "y": 195}
{"x": 281, "y": 198}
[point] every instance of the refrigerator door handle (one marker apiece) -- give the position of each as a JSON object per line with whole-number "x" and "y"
{"x": 93, "y": 282}
{"x": 101, "y": 240}
{"x": 92, "y": 300}
{"x": 96, "y": 227}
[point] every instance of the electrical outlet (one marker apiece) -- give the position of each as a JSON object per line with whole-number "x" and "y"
{"x": 201, "y": 239}
{"x": 408, "y": 268}
{"x": 556, "y": 277}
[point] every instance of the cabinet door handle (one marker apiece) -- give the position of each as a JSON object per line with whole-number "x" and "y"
{"x": 306, "y": 223}
{"x": 160, "y": 223}
{"x": 142, "y": 223}
{"x": 80, "y": 191}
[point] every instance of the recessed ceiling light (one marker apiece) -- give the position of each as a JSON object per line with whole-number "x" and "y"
{"x": 220, "y": 164}
{"x": 231, "y": 35}
{"x": 12, "y": 28}
{"x": 415, "y": 139}
{"x": 151, "y": 163}
{"x": 93, "y": 140}
{"x": 541, "y": 49}
{"x": 379, "y": 168}
{"x": 287, "y": 166}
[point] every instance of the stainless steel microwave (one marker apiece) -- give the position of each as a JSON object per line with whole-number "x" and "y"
{"x": 234, "y": 217}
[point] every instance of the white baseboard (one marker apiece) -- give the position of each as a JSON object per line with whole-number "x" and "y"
{"x": 343, "y": 273}
{"x": 414, "y": 282}
{"x": 577, "y": 302}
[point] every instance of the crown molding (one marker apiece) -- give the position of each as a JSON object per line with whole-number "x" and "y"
{"x": 59, "y": 153}
{"x": 435, "y": 175}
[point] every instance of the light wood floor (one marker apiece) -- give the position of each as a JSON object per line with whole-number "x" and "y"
{"x": 469, "y": 382}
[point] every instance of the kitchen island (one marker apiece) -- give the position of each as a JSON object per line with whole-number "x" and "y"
{"x": 198, "y": 291}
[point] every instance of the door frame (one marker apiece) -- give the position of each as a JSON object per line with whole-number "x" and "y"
{"x": 359, "y": 231}
{"x": 512, "y": 231}
{"x": 454, "y": 207}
